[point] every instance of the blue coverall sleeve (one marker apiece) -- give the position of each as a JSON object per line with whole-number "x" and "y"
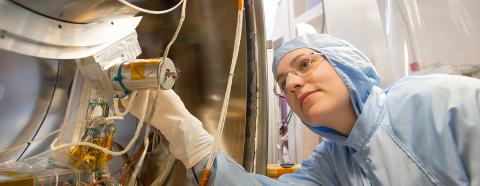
{"x": 445, "y": 114}
{"x": 467, "y": 131}
{"x": 315, "y": 171}
{"x": 456, "y": 107}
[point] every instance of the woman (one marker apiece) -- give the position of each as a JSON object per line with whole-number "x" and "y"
{"x": 421, "y": 130}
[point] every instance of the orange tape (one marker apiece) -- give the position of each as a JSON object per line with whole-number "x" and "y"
{"x": 204, "y": 178}
{"x": 137, "y": 71}
{"x": 137, "y": 67}
{"x": 147, "y": 61}
{"x": 240, "y": 5}
{"x": 276, "y": 170}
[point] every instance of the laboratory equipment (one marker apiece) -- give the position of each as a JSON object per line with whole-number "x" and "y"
{"x": 70, "y": 55}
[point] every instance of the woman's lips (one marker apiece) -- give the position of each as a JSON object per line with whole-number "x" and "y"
{"x": 304, "y": 96}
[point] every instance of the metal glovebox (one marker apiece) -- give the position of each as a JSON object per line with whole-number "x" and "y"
{"x": 55, "y": 54}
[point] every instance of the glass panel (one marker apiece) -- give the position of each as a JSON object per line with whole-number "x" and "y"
{"x": 431, "y": 36}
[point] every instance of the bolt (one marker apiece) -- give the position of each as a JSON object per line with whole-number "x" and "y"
{"x": 173, "y": 75}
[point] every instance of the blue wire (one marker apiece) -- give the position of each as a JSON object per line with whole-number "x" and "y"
{"x": 118, "y": 78}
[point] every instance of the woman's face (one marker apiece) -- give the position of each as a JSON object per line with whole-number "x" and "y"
{"x": 317, "y": 97}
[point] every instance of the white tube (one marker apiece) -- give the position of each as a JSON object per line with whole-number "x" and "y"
{"x": 150, "y": 11}
{"x": 29, "y": 142}
{"x": 113, "y": 118}
{"x": 223, "y": 114}
{"x": 179, "y": 26}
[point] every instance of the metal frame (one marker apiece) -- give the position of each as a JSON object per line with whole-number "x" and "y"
{"x": 28, "y": 33}
{"x": 256, "y": 131}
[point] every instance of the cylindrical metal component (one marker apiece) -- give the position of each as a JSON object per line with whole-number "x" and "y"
{"x": 143, "y": 74}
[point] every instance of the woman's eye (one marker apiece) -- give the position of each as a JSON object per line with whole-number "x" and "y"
{"x": 305, "y": 64}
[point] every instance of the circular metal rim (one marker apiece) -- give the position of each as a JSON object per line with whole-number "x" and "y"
{"x": 164, "y": 80}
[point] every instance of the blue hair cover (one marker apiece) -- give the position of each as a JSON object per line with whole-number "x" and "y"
{"x": 353, "y": 67}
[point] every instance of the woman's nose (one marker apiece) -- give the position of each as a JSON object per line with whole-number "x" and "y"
{"x": 293, "y": 83}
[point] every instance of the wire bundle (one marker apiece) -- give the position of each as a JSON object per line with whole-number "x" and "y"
{"x": 98, "y": 131}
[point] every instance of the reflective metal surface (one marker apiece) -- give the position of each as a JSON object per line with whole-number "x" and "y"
{"x": 24, "y": 23}
{"x": 23, "y": 31}
{"x": 202, "y": 51}
{"x": 31, "y": 96}
{"x": 56, "y": 111}
{"x": 85, "y": 11}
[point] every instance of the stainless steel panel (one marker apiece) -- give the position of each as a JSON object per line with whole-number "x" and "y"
{"x": 85, "y": 11}
{"x": 203, "y": 52}
{"x": 28, "y": 85}
{"x": 56, "y": 111}
{"x": 25, "y": 25}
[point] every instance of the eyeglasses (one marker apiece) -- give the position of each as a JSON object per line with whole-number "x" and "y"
{"x": 301, "y": 66}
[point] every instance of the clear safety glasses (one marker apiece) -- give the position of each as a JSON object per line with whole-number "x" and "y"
{"x": 301, "y": 66}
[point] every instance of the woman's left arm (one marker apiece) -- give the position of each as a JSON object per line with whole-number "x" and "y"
{"x": 464, "y": 120}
